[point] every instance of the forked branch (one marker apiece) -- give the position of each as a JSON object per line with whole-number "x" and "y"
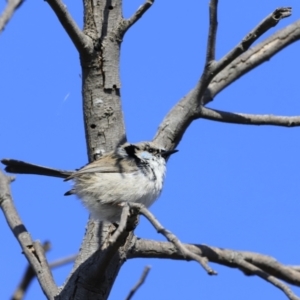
{"x": 250, "y": 263}
{"x": 127, "y": 23}
{"x": 189, "y": 255}
{"x": 33, "y": 251}
{"x": 255, "y": 56}
{"x": 266, "y": 24}
{"x": 189, "y": 108}
{"x": 82, "y": 42}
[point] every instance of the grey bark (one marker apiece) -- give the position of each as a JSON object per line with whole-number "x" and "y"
{"x": 98, "y": 262}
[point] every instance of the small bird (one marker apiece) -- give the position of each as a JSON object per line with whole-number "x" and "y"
{"x": 131, "y": 173}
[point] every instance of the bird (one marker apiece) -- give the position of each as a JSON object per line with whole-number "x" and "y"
{"x": 131, "y": 173}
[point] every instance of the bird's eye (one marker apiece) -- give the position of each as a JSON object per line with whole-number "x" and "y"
{"x": 150, "y": 150}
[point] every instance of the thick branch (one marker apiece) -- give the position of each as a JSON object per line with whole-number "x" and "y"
{"x": 187, "y": 109}
{"x": 97, "y": 264}
{"x": 82, "y": 43}
{"x": 248, "y": 262}
{"x": 11, "y": 7}
{"x": 248, "y": 119}
{"x": 33, "y": 250}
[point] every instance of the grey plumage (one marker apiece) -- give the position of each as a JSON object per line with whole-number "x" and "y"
{"x": 131, "y": 173}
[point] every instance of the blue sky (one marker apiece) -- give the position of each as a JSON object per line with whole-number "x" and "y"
{"x": 230, "y": 186}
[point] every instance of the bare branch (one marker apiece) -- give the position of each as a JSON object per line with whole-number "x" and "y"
{"x": 248, "y": 119}
{"x": 82, "y": 42}
{"x": 28, "y": 276}
{"x": 187, "y": 109}
{"x": 213, "y": 25}
{"x": 122, "y": 225}
{"x": 251, "y": 269}
{"x": 32, "y": 250}
{"x": 172, "y": 238}
{"x": 11, "y": 7}
{"x": 296, "y": 268}
{"x": 269, "y": 22}
{"x": 227, "y": 257}
{"x": 212, "y": 69}
{"x": 139, "y": 283}
{"x": 126, "y": 24}
{"x": 62, "y": 261}
{"x": 255, "y": 56}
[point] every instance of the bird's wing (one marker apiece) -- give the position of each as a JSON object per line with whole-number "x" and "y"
{"x": 108, "y": 164}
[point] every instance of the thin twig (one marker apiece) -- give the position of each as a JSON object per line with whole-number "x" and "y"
{"x": 82, "y": 42}
{"x": 252, "y": 58}
{"x": 139, "y": 283}
{"x": 11, "y": 7}
{"x": 173, "y": 238}
{"x": 136, "y": 16}
{"x": 212, "y": 69}
{"x": 62, "y": 261}
{"x": 212, "y": 33}
{"x": 122, "y": 225}
{"x": 32, "y": 250}
{"x": 248, "y": 119}
{"x": 266, "y": 24}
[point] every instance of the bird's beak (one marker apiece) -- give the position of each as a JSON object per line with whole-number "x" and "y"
{"x": 166, "y": 153}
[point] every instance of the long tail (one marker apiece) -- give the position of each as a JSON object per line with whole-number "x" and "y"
{"x": 21, "y": 167}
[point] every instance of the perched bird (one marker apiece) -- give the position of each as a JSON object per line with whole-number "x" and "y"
{"x": 131, "y": 173}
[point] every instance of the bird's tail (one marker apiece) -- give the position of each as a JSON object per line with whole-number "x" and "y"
{"x": 21, "y": 167}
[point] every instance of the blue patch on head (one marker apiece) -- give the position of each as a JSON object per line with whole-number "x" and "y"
{"x": 146, "y": 155}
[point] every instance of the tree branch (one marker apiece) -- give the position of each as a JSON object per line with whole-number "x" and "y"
{"x": 139, "y": 283}
{"x": 266, "y": 24}
{"x": 33, "y": 250}
{"x": 250, "y": 263}
{"x": 128, "y": 222}
{"x": 248, "y": 119}
{"x": 187, "y": 109}
{"x": 255, "y": 56}
{"x": 62, "y": 261}
{"x": 267, "y": 277}
{"x": 213, "y": 68}
{"x": 28, "y": 276}
{"x": 212, "y": 33}
{"x": 82, "y": 42}
{"x": 126, "y": 24}
{"x": 11, "y": 7}
{"x": 173, "y": 239}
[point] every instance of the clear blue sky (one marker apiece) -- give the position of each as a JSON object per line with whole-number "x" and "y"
{"x": 230, "y": 186}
